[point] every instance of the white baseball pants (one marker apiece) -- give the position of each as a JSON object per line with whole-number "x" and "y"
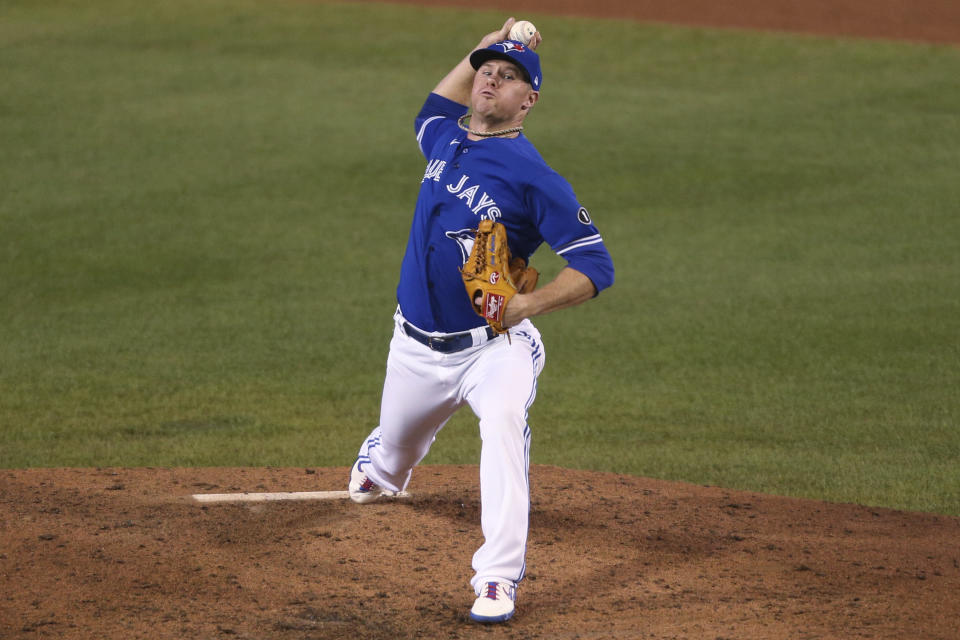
{"x": 421, "y": 392}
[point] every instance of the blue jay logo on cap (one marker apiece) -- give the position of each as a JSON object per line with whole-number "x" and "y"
{"x": 510, "y": 45}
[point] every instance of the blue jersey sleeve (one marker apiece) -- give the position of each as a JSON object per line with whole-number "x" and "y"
{"x": 436, "y": 119}
{"x": 567, "y": 227}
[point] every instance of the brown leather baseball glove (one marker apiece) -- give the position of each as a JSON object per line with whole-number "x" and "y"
{"x": 491, "y": 277}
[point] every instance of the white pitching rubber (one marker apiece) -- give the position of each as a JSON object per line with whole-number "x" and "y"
{"x": 290, "y": 495}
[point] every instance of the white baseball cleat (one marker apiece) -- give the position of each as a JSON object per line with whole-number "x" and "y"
{"x": 362, "y": 489}
{"x": 495, "y": 604}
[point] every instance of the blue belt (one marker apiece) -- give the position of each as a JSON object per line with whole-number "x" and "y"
{"x": 444, "y": 344}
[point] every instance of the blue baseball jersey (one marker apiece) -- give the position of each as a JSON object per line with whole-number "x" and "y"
{"x": 503, "y": 179}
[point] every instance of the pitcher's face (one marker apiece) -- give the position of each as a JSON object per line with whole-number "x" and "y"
{"x": 501, "y": 92}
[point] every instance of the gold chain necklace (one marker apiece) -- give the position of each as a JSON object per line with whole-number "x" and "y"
{"x": 485, "y": 134}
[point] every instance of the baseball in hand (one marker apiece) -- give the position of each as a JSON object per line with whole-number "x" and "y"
{"x": 522, "y": 31}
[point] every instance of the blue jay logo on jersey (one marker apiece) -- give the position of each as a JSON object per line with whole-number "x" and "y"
{"x": 465, "y": 239}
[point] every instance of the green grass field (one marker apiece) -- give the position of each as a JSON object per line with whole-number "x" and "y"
{"x": 203, "y": 206}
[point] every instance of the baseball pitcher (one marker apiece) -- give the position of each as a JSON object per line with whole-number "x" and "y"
{"x": 462, "y": 331}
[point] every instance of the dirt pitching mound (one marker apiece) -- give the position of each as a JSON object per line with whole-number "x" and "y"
{"x": 128, "y": 553}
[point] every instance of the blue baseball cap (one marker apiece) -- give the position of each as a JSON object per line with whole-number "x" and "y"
{"x": 515, "y": 52}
